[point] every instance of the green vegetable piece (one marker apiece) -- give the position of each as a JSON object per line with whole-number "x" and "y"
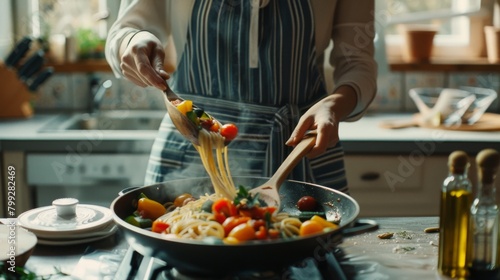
{"x": 207, "y": 206}
{"x": 142, "y": 195}
{"x": 204, "y": 116}
{"x": 244, "y": 197}
{"x": 138, "y": 221}
{"x": 191, "y": 115}
{"x": 199, "y": 112}
{"x": 307, "y": 215}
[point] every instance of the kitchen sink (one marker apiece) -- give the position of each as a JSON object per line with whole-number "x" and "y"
{"x": 108, "y": 120}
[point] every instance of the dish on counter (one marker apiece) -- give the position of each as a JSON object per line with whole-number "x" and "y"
{"x": 46, "y": 223}
{"x": 22, "y": 249}
{"x": 80, "y": 240}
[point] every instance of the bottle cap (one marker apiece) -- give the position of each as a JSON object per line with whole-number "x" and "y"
{"x": 458, "y": 162}
{"x": 487, "y": 161}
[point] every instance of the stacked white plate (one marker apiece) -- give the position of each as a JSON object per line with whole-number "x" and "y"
{"x": 88, "y": 223}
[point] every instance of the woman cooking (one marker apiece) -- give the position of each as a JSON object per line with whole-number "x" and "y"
{"x": 257, "y": 64}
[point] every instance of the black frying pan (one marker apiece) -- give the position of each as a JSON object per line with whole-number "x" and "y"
{"x": 196, "y": 257}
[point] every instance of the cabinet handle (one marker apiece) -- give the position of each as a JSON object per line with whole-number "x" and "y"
{"x": 370, "y": 176}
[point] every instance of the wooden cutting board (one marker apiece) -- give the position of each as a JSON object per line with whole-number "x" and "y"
{"x": 488, "y": 122}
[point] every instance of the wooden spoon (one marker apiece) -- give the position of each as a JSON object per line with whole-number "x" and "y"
{"x": 186, "y": 127}
{"x": 269, "y": 191}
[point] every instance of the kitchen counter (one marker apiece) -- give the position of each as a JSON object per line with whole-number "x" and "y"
{"x": 30, "y": 135}
{"x": 43, "y": 155}
{"x": 410, "y": 254}
{"x": 363, "y": 136}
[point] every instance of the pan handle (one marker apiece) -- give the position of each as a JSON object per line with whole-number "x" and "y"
{"x": 127, "y": 190}
{"x": 360, "y": 226}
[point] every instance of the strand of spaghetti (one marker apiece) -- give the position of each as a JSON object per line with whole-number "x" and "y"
{"x": 228, "y": 170}
{"x": 290, "y": 227}
{"x": 223, "y": 167}
{"x": 205, "y": 150}
{"x": 211, "y": 167}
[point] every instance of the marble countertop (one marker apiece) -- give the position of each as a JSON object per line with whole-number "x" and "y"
{"x": 409, "y": 254}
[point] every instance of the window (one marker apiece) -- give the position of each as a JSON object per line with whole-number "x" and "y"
{"x": 86, "y": 21}
{"x": 460, "y": 24}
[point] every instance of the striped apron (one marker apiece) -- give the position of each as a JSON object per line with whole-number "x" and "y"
{"x": 254, "y": 67}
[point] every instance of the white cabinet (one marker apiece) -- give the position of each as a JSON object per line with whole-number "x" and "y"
{"x": 396, "y": 185}
{"x": 400, "y": 185}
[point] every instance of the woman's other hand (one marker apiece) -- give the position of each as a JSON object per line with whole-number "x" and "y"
{"x": 142, "y": 58}
{"x": 324, "y": 117}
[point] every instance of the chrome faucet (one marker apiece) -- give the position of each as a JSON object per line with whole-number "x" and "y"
{"x": 97, "y": 93}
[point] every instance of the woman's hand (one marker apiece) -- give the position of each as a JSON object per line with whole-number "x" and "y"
{"x": 142, "y": 57}
{"x": 324, "y": 117}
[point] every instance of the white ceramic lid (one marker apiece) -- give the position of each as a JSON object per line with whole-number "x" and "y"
{"x": 45, "y": 221}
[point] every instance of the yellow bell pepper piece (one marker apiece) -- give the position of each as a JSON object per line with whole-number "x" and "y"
{"x": 324, "y": 222}
{"x": 185, "y": 106}
{"x": 150, "y": 209}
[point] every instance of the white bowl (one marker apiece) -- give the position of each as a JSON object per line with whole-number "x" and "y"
{"x": 17, "y": 252}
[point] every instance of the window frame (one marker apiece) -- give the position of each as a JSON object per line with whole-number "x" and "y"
{"x": 474, "y": 48}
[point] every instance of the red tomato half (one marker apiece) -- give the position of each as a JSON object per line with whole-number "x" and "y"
{"x": 229, "y": 131}
{"x": 222, "y": 209}
{"x": 257, "y": 212}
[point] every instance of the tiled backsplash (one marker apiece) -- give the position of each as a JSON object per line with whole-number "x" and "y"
{"x": 72, "y": 91}
{"x": 392, "y": 94}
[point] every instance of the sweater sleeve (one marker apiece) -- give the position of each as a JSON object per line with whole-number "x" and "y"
{"x": 352, "y": 55}
{"x": 135, "y": 15}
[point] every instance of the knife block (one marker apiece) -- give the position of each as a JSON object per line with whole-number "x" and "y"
{"x": 15, "y": 98}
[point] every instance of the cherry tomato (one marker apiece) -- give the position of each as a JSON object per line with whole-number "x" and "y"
{"x": 207, "y": 124}
{"x": 232, "y": 222}
{"x": 159, "y": 226}
{"x": 150, "y": 209}
{"x": 273, "y": 233}
{"x": 261, "y": 234}
{"x": 229, "y": 131}
{"x": 257, "y": 212}
{"x": 257, "y": 223}
{"x": 310, "y": 227}
{"x": 179, "y": 201}
{"x": 242, "y": 232}
{"x": 307, "y": 203}
{"x": 215, "y": 127}
{"x": 222, "y": 209}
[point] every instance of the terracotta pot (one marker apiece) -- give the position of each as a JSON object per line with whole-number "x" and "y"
{"x": 418, "y": 42}
{"x": 492, "y": 35}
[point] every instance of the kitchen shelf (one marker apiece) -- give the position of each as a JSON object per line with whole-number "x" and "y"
{"x": 445, "y": 65}
{"x": 93, "y": 65}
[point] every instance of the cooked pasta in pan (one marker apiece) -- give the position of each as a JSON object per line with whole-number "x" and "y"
{"x": 229, "y": 214}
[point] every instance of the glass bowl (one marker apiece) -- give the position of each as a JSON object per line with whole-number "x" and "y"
{"x": 442, "y": 105}
{"x": 484, "y": 99}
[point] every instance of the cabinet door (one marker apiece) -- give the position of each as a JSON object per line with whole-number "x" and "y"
{"x": 399, "y": 185}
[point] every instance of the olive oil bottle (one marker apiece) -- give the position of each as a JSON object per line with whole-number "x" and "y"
{"x": 484, "y": 218}
{"x": 454, "y": 234}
